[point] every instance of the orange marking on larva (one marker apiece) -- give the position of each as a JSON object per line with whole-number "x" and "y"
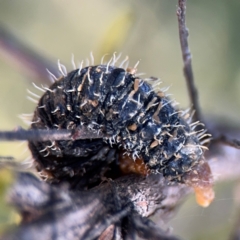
{"x": 165, "y": 155}
{"x": 200, "y": 179}
{"x": 133, "y": 127}
{"x": 187, "y": 116}
{"x": 161, "y": 94}
{"x": 177, "y": 156}
{"x": 131, "y": 94}
{"x": 154, "y": 144}
{"x": 155, "y": 115}
{"x": 128, "y": 165}
{"x": 98, "y": 70}
{"x": 167, "y": 133}
{"x": 81, "y": 85}
{"x": 136, "y": 85}
{"x": 151, "y": 103}
{"x": 131, "y": 70}
{"x": 94, "y": 103}
{"x": 135, "y": 88}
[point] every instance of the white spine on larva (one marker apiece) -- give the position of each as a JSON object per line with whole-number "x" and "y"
{"x": 62, "y": 69}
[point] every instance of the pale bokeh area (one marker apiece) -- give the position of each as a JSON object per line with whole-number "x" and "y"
{"x": 145, "y": 31}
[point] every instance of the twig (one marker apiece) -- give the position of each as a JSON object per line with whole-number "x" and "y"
{"x": 40, "y": 135}
{"x": 187, "y": 59}
{"x": 55, "y": 212}
{"x": 235, "y": 143}
{"x": 235, "y": 235}
{"x": 46, "y": 135}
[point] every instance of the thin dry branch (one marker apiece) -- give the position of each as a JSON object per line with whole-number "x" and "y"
{"x": 235, "y": 235}
{"x": 187, "y": 59}
{"x": 44, "y": 135}
{"x": 55, "y": 212}
{"x": 235, "y": 143}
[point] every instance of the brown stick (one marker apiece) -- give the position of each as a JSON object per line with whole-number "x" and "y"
{"x": 187, "y": 59}
{"x": 58, "y": 212}
{"x": 235, "y": 143}
{"x": 46, "y": 135}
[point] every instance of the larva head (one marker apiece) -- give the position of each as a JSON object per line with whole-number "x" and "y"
{"x": 198, "y": 176}
{"x": 189, "y": 166}
{"x": 183, "y": 160}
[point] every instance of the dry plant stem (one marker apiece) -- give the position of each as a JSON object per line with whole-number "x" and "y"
{"x": 187, "y": 59}
{"x": 55, "y": 212}
{"x": 235, "y": 143}
{"x": 46, "y": 135}
{"x": 235, "y": 235}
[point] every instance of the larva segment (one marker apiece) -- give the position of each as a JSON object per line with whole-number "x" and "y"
{"x": 127, "y": 112}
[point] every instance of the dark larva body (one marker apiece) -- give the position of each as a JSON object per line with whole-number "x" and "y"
{"x": 127, "y": 111}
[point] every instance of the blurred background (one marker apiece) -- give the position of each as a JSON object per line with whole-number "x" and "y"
{"x": 143, "y": 30}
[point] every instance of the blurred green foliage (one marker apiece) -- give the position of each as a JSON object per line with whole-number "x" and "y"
{"x": 7, "y": 215}
{"x": 146, "y": 31}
